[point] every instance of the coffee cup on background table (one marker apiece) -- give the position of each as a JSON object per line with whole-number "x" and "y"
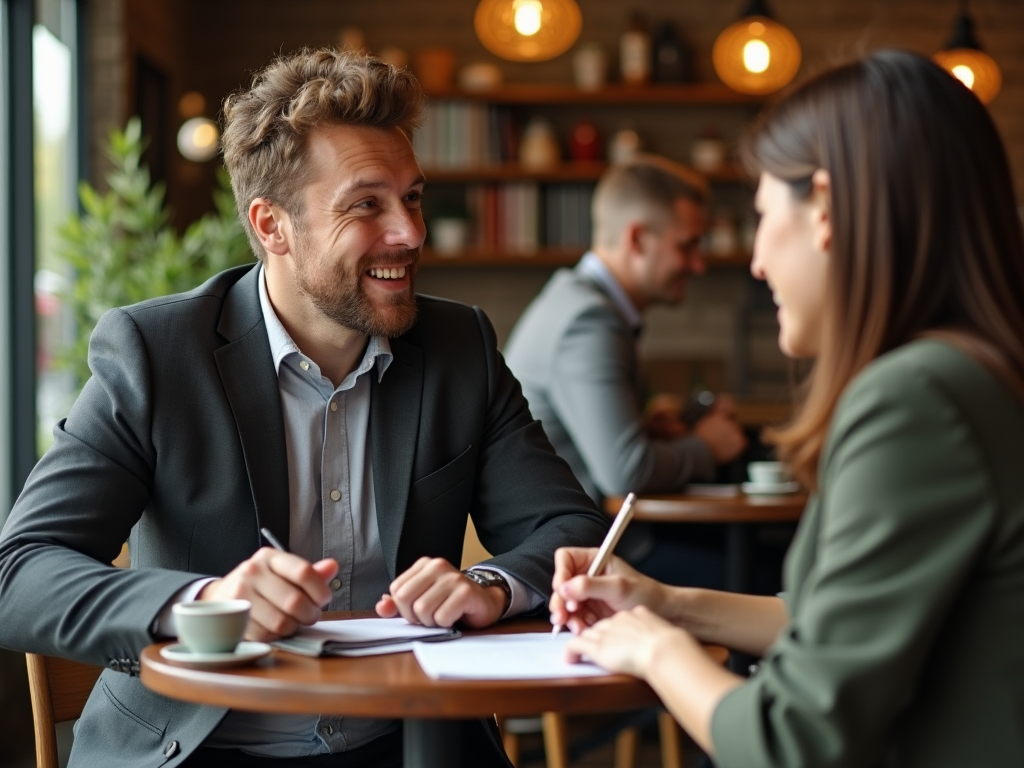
{"x": 768, "y": 472}
{"x": 211, "y": 626}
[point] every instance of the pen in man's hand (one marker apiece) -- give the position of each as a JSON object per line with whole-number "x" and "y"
{"x": 272, "y": 540}
{"x": 608, "y": 545}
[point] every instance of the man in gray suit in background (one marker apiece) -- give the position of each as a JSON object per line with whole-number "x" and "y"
{"x": 313, "y": 393}
{"x": 574, "y": 350}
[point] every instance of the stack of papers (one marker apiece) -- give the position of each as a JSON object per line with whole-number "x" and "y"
{"x": 361, "y": 637}
{"x": 527, "y": 656}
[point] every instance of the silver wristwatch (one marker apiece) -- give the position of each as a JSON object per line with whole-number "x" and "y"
{"x": 491, "y": 579}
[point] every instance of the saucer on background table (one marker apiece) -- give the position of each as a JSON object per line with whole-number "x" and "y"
{"x": 770, "y": 489}
{"x": 245, "y": 653}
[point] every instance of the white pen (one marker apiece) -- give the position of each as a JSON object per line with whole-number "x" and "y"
{"x": 272, "y": 540}
{"x": 608, "y": 545}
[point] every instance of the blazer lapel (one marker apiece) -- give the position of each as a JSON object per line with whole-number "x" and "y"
{"x": 394, "y": 427}
{"x": 246, "y": 369}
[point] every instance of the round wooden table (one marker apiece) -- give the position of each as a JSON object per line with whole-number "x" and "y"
{"x": 393, "y": 686}
{"x": 738, "y": 512}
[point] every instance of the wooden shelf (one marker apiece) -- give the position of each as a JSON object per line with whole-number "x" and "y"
{"x": 566, "y": 172}
{"x": 617, "y": 93}
{"x": 543, "y": 257}
{"x": 479, "y": 257}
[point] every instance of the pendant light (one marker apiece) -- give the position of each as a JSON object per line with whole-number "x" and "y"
{"x": 528, "y": 30}
{"x": 964, "y": 58}
{"x": 756, "y": 55}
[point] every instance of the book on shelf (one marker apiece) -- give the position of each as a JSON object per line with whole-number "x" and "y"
{"x": 465, "y": 135}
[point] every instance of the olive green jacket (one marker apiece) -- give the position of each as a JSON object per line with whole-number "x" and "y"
{"x": 904, "y": 586}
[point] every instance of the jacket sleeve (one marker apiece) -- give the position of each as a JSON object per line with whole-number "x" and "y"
{"x": 527, "y": 500}
{"x": 906, "y": 507}
{"x": 59, "y": 595}
{"x": 594, "y": 392}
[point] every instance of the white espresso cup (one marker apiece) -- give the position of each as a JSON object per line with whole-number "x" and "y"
{"x": 211, "y": 626}
{"x": 768, "y": 472}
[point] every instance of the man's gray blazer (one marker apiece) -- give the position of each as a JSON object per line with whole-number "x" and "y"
{"x": 575, "y": 355}
{"x": 177, "y": 445}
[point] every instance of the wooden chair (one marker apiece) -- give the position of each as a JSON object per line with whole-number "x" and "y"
{"x": 59, "y": 689}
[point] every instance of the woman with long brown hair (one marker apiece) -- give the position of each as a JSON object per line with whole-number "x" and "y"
{"x": 891, "y": 242}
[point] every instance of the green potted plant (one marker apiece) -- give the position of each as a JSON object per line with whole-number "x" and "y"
{"x": 122, "y": 248}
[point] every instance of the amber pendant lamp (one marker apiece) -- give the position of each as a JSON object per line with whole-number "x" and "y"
{"x": 528, "y": 30}
{"x": 967, "y": 62}
{"x": 756, "y": 55}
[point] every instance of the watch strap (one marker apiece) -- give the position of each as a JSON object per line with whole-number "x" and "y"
{"x": 488, "y": 578}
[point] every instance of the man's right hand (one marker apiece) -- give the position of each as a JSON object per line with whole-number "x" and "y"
{"x": 286, "y": 591}
{"x": 578, "y": 601}
{"x": 723, "y": 434}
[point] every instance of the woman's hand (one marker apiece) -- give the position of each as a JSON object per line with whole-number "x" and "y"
{"x": 628, "y": 642}
{"x": 578, "y": 600}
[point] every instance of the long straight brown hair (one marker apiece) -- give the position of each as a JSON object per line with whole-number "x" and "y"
{"x": 926, "y": 239}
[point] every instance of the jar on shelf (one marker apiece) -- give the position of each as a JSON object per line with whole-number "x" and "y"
{"x": 585, "y": 142}
{"x": 669, "y": 56}
{"x": 625, "y": 146}
{"x": 590, "y": 67}
{"x": 434, "y": 68}
{"x": 538, "y": 147}
{"x": 707, "y": 154}
{"x": 722, "y": 237}
{"x": 635, "y": 50}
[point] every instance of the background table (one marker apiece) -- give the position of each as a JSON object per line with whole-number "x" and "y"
{"x": 393, "y": 686}
{"x": 738, "y": 512}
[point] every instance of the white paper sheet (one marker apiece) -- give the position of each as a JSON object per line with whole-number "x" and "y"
{"x": 528, "y": 656}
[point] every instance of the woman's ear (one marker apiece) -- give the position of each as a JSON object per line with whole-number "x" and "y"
{"x": 821, "y": 209}
{"x": 271, "y": 224}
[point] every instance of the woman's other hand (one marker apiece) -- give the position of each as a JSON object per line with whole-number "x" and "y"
{"x": 630, "y": 642}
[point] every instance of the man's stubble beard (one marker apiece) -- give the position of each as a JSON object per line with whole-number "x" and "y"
{"x": 337, "y": 291}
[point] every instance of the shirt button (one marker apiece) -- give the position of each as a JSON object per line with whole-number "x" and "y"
{"x": 304, "y": 365}
{"x": 335, "y": 495}
{"x": 171, "y": 749}
{"x": 336, "y": 585}
{"x": 334, "y": 406}
{"x": 327, "y": 730}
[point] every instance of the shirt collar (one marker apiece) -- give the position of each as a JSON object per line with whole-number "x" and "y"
{"x": 281, "y": 344}
{"x": 592, "y": 266}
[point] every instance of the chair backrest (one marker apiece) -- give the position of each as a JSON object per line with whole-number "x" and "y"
{"x": 59, "y": 689}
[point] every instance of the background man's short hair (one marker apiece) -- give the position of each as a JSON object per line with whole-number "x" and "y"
{"x": 645, "y": 188}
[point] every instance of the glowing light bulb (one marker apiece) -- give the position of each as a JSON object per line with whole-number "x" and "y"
{"x": 527, "y": 17}
{"x": 964, "y": 74}
{"x": 756, "y": 56}
{"x": 198, "y": 139}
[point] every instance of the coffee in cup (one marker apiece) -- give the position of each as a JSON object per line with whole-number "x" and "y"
{"x": 211, "y": 626}
{"x": 768, "y": 472}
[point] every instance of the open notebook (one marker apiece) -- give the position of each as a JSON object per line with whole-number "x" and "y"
{"x": 361, "y": 637}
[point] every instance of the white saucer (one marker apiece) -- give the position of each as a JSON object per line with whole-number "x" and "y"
{"x": 770, "y": 489}
{"x": 245, "y": 653}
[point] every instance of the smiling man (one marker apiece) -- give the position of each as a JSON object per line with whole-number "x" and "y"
{"x": 313, "y": 393}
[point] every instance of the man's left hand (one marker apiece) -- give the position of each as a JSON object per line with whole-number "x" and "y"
{"x": 435, "y": 593}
